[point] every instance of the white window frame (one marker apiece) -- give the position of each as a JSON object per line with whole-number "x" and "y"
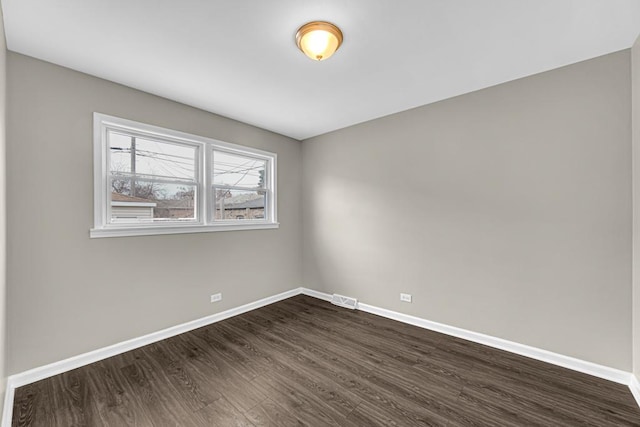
{"x": 205, "y": 210}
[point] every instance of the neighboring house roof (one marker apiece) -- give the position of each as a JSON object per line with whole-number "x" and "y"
{"x": 243, "y": 201}
{"x": 117, "y": 197}
{"x": 251, "y": 204}
{"x": 124, "y": 201}
{"x": 240, "y": 201}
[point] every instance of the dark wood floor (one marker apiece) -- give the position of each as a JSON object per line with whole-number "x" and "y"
{"x": 305, "y": 362}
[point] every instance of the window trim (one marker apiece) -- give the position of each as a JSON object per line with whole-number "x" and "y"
{"x": 205, "y": 214}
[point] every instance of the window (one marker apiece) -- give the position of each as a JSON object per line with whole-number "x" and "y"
{"x": 150, "y": 180}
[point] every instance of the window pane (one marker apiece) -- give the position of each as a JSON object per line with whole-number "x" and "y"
{"x": 238, "y": 171}
{"x": 153, "y": 201}
{"x": 151, "y": 157}
{"x": 239, "y": 204}
{"x": 120, "y": 147}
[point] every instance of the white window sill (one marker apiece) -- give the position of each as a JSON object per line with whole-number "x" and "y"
{"x": 179, "y": 229}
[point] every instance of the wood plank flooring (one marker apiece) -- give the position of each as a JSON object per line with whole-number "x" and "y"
{"x": 305, "y": 362}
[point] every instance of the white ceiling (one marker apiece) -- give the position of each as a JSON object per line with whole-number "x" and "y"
{"x": 238, "y": 58}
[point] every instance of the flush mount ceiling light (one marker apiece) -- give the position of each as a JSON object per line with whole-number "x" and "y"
{"x": 319, "y": 40}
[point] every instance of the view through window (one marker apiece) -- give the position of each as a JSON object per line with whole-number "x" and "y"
{"x": 152, "y": 180}
{"x": 149, "y": 178}
{"x": 239, "y": 187}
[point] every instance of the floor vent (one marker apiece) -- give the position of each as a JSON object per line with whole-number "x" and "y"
{"x": 342, "y": 301}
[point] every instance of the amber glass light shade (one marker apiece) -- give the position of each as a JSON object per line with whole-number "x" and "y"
{"x": 319, "y": 40}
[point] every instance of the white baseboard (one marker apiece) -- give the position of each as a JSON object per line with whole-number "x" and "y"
{"x": 7, "y": 409}
{"x": 316, "y": 294}
{"x": 590, "y": 368}
{"x": 634, "y": 386}
{"x": 42, "y": 372}
{"x": 594, "y": 369}
{"x": 74, "y": 362}
{"x": 37, "y": 374}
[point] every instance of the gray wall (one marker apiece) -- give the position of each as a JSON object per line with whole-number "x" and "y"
{"x": 70, "y": 294}
{"x": 635, "y": 108}
{"x": 505, "y": 211}
{"x": 3, "y": 225}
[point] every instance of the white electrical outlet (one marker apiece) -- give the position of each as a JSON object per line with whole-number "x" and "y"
{"x": 216, "y": 297}
{"x": 405, "y": 297}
